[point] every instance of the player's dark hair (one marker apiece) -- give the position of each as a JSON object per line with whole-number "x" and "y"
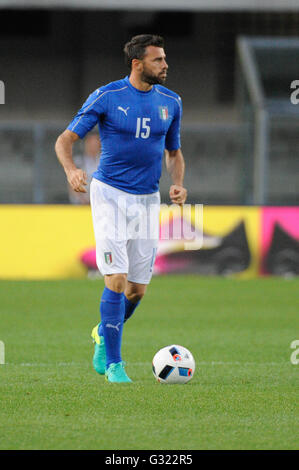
{"x": 135, "y": 48}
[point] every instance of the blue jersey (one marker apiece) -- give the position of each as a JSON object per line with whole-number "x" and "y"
{"x": 135, "y": 127}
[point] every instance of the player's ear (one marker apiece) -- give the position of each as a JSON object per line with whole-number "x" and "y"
{"x": 137, "y": 65}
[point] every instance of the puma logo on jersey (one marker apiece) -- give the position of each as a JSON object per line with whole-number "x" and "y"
{"x": 113, "y": 326}
{"x": 124, "y": 110}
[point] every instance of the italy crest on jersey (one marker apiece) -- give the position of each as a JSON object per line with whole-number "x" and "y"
{"x": 108, "y": 257}
{"x": 163, "y": 111}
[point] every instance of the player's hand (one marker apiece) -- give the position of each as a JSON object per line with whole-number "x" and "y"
{"x": 177, "y": 194}
{"x": 77, "y": 179}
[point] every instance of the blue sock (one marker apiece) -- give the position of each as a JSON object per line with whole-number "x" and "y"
{"x": 112, "y": 310}
{"x": 129, "y": 310}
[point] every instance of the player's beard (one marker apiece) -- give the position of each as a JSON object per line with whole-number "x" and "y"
{"x": 151, "y": 79}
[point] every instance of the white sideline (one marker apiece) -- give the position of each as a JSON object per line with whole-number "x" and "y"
{"x": 142, "y": 364}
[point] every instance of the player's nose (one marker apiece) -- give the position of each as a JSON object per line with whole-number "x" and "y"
{"x": 164, "y": 65}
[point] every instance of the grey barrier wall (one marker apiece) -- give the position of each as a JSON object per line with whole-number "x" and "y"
{"x": 267, "y": 70}
{"x": 219, "y": 168}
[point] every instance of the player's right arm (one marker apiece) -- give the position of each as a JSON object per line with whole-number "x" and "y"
{"x": 86, "y": 118}
{"x": 76, "y": 177}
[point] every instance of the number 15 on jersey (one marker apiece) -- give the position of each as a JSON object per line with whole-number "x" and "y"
{"x": 142, "y": 128}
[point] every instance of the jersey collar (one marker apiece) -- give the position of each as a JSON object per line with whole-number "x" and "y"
{"x": 135, "y": 90}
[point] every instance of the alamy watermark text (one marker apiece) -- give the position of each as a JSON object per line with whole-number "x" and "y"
{"x": 295, "y": 93}
{"x": 2, "y": 92}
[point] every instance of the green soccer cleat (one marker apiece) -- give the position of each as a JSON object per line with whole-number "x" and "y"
{"x": 99, "y": 357}
{"x": 116, "y": 373}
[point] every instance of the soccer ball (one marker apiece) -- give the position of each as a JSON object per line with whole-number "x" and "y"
{"x": 173, "y": 365}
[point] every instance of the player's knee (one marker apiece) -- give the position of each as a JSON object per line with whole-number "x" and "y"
{"x": 135, "y": 292}
{"x": 116, "y": 282}
{"x": 135, "y": 297}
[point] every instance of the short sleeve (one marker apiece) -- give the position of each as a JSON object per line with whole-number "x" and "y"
{"x": 88, "y": 116}
{"x": 173, "y": 138}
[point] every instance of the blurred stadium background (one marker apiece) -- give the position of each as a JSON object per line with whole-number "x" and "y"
{"x": 234, "y": 63}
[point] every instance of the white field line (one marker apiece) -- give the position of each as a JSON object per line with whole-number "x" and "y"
{"x": 145, "y": 364}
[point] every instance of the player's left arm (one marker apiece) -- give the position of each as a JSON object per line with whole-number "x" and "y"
{"x": 175, "y": 165}
{"x": 175, "y": 162}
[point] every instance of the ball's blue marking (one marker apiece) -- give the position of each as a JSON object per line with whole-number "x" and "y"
{"x": 185, "y": 371}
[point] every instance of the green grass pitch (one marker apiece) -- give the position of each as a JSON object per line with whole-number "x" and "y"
{"x": 244, "y": 394}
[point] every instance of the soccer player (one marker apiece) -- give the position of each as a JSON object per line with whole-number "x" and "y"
{"x": 138, "y": 118}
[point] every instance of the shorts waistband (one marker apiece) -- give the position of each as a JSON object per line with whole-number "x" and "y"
{"x": 121, "y": 191}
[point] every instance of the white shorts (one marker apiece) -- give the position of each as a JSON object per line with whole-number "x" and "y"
{"x": 126, "y": 228}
